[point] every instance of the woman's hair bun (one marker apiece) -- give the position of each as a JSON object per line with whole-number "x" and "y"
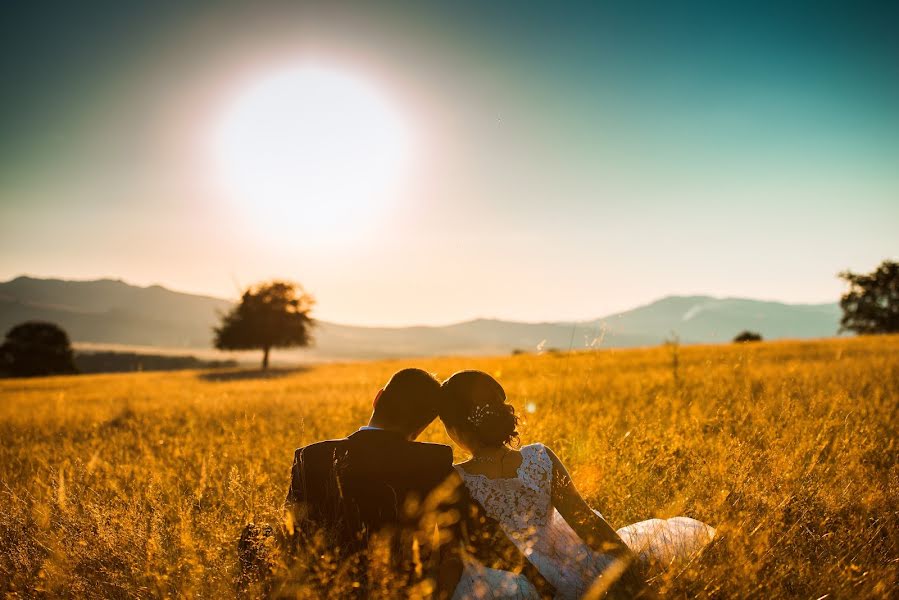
{"x": 475, "y": 402}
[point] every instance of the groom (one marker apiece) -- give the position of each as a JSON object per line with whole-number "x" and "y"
{"x": 379, "y": 488}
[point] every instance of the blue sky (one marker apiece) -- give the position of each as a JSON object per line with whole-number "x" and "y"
{"x": 570, "y": 160}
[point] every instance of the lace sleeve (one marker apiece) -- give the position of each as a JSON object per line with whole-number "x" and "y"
{"x": 536, "y": 468}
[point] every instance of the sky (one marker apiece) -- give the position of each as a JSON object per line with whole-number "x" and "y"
{"x": 431, "y": 162}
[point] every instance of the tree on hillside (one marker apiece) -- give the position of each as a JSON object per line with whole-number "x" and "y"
{"x": 270, "y": 315}
{"x": 748, "y": 336}
{"x": 36, "y": 348}
{"x": 872, "y": 303}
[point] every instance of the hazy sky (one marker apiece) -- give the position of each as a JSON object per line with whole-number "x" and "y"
{"x": 557, "y": 162}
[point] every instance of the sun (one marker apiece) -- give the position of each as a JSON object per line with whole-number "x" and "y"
{"x": 310, "y": 148}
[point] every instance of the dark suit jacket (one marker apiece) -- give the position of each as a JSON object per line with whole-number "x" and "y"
{"x": 368, "y": 482}
{"x": 376, "y": 483}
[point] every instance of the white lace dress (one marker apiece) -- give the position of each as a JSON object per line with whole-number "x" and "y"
{"x": 522, "y": 505}
{"x": 482, "y": 583}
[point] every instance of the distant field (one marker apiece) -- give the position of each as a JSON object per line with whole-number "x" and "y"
{"x": 280, "y": 357}
{"x": 137, "y": 485}
{"x": 291, "y": 356}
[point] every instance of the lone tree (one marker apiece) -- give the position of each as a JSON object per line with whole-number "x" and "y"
{"x": 872, "y": 303}
{"x": 748, "y": 336}
{"x": 270, "y": 315}
{"x": 36, "y": 348}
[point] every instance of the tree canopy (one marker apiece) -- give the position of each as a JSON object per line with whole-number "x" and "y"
{"x": 748, "y": 336}
{"x": 270, "y": 315}
{"x": 872, "y": 303}
{"x": 36, "y": 348}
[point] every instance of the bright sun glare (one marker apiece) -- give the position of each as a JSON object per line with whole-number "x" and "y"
{"x": 310, "y": 147}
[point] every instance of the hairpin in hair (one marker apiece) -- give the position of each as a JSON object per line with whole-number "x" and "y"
{"x": 478, "y": 415}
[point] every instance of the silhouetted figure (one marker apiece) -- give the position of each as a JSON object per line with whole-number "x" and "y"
{"x": 533, "y": 498}
{"x": 872, "y": 303}
{"x": 378, "y": 492}
{"x": 270, "y": 315}
{"x": 36, "y": 348}
{"x": 748, "y": 336}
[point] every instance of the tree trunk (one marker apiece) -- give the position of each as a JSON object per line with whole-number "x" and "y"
{"x": 265, "y": 358}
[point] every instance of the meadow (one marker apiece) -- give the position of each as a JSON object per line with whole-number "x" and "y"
{"x": 137, "y": 485}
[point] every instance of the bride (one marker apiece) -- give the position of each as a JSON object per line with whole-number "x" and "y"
{"x": 531, "y": 495}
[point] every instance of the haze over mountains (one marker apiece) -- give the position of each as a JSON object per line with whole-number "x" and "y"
{"x": 112, "y": 312}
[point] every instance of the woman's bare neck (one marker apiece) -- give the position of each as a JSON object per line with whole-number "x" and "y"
{"x": 493, "y": 463}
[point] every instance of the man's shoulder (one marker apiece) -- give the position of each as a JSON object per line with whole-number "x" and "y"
{"x": 315, "y": 449}
{"x": 436, "y": 452}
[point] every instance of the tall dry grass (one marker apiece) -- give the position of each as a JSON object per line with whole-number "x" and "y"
{"x": 137, "y": 486}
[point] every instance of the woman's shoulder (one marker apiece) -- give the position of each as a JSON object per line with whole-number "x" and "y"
{"x": 535, "y": 448}
{"x": 537, "y": 453}
{"x": 540, "y": 453}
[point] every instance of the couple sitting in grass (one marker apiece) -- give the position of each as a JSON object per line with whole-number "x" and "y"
{"x": 382, "y": 514}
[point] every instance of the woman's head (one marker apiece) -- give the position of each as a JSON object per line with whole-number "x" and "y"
{"x": 474, "y": 411}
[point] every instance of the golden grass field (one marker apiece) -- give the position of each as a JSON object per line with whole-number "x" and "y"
{"x": 137, "y": 485}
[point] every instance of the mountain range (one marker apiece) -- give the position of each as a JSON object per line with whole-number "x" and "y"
{"x": 110, "y": 312}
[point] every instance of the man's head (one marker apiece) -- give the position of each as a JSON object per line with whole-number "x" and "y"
{"x": 408, "y": 403}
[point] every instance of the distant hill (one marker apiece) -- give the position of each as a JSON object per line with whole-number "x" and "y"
{"x": 705, "y": 319}
{"x": 111, "y": 311}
